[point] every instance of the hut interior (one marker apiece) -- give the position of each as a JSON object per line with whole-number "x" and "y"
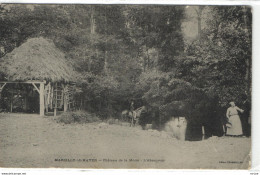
{"x": 17, "y": 97}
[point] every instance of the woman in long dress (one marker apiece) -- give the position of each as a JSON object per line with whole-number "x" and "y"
{"x": 235, "y": 129}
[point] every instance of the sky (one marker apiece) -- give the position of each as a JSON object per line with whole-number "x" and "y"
{"x": 190, "y": 25}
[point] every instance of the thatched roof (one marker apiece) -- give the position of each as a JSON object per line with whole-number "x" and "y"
{"x": 37, "y": 59}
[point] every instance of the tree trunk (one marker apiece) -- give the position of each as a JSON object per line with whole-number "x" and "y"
{"x": 199, "y": 27}
{"x": 199, "y": 16}
{"x": 148, "y": 58}
{"x": 144, "y": 64}
{"x": 81, "y": 103}
{"x": 92, "y": 21}
{"x": 105, "y": 63}
{"x": 248, "y": 60}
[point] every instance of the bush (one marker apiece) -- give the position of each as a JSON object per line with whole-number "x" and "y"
{"x": 77, "y": 117}
{"x": 112, "y": 121}
{"x": 149, "y": 115}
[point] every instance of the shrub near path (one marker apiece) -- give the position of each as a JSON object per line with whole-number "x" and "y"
{"x": 33, "y": 141}
{"x": 77, "y": 117}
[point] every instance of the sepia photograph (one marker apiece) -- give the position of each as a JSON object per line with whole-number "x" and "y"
{"x": 109, "y": 86}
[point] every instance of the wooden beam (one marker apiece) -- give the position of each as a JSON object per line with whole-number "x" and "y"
{"x": 1, "y": 87}
{"x": 36, "y": 88}
{"x": 41, "y": 92}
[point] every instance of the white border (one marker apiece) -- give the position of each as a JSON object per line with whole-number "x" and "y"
{"x": 167, "y": 2}
{"x": 255, "y": 91}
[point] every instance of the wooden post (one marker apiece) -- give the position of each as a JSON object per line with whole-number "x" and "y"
{"x": 65, "y": 105}
{"x": 12, "y": 96}
{"x": 203, "y": 133}
{"x": 51, "y": 96}
{"x": 65, "y": 98}
{"x": 56, "y": 100}
{"x": 46, "y": 100}
{"x": 41, "y": 99}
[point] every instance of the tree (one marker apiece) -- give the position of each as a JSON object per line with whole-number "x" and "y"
{"x": 157, "y": 28}
{"x": 220, "y": 61}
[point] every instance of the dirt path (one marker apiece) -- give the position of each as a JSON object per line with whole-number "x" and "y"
{"x": 33, "y": 141}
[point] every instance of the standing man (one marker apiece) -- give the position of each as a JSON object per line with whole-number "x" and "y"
{"x": 132, "y": 106}
{"x": 245, "y": 118}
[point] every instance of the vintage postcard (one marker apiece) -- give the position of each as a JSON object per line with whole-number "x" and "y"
{"x": 125, "y": 86}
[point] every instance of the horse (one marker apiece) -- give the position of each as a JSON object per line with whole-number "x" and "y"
{"x": 125, "y": 115}
{"x": 132, "y": 117}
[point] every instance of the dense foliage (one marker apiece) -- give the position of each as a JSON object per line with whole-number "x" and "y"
{"x": 220, "y": 62}
{"x": 133, "y": 52}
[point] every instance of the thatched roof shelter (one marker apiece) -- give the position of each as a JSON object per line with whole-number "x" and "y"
{"x": 34, "y": 62}
{"x": 37, "y": 59}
